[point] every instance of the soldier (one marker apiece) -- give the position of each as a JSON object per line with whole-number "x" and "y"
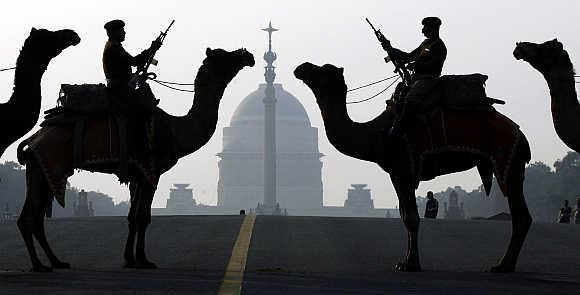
{"x": 117, "y": 63}
{"x": 432, "y": 206}
{"x": 565, "y": 213}
{"x": 126, "y": 104}
{"x": 426, "y": 62}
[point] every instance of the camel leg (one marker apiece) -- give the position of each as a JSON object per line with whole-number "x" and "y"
{"x": 32, "y": 213}
{"x": 129, "y": 246}
{"x": 410, "y": 216}
{"x": 40, "y": 235}
{"x": 143, "y": 219}
{"x": 521, "y": 219}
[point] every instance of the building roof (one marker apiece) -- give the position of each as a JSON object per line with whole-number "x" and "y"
{"x": 288, "y": 108}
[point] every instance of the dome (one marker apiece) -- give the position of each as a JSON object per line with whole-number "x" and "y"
{"x": 251, "y": 109}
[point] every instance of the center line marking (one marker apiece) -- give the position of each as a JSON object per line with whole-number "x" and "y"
{"x": 234, "y": 276}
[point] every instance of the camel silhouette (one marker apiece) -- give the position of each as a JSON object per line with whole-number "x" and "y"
{"x": 171, "y": 138}
{"x": 20, "y": 113}
{"x": 553, "y": 62}
{"x": 368, "y": 141}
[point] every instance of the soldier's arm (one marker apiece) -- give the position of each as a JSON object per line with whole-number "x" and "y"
{"x": 141, "y": 58}
{"x": 436, "y": 56}
{"x": 401, "y": 55}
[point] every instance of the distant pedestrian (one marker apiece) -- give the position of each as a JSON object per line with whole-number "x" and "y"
{"x": 577, "y": 214}
{"x": 565, "y": 213}
{"x": 432, "y": 206}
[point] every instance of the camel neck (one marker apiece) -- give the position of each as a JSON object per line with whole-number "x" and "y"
{"x": 564, "y": 106}
{"x": 26, "y": 95}
{"x": 562, "y": 90}
{"x": 358, "y": 140}
{"x": 195, "y": 129}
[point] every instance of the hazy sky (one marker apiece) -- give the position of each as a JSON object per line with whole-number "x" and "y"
{"x": 480, "y": 37}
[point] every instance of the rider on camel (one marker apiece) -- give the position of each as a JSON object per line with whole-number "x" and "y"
{"x": 426, "y": 62}
{"x": 128, "y": 104}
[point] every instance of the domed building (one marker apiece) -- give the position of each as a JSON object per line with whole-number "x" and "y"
{"x": 298, "y": 166}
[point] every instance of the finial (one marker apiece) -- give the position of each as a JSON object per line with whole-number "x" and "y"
{"x": 270, "y": 30}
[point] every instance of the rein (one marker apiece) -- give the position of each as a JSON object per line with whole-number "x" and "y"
{"x": 379, "y": 93}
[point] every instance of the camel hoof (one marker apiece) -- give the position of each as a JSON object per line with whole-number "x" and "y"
{"x": 145, "y": 265}
{"x": 41, "y": 268}
{"x": 502, "y": 269}
{"x": 403, "y": 266}
{"x": 60, "y": 265}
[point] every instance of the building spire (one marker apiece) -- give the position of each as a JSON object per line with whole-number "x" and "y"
{"x": 270, "y": 30}
{"x": 270, "y": 206}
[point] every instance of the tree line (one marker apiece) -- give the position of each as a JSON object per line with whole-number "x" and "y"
{"x": 13, "y": 190}
{"x": 545, "y": 189}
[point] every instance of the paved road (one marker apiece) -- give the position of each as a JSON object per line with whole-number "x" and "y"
{"x": 295, "y": 255}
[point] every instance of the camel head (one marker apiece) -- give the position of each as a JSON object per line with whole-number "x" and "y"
{"x": 221, "y": 65}
{"x": 326, "y": 82}
{"x": 43, "y": 45}
{"x": 544, "y": 57}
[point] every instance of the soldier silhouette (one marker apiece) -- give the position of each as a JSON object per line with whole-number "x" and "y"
{"x": 432, "y": 206}
{"x": 426, "y": 62}
{"x": 127, "y": 103}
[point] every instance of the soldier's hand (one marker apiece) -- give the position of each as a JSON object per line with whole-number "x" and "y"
{"x": 155, "y": 45}
{"x": 387, "y": 59}
{"x": 385, "y": 43}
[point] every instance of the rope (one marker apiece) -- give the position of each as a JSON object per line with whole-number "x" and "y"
{"x": 367, "y": 85}
{"x": 170, "y": 87}
{"x": 381, "y": 92}
{"x": 6, "y": 69}
{"x": 173, "y": 83}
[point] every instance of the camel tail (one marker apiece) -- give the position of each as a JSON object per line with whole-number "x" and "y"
{"x": 22, "y": 152}
{"x": 524, "y": 149}
{"x": 486, "y": 173}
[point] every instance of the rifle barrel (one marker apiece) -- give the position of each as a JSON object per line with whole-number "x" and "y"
{"x": 372, "y": 27}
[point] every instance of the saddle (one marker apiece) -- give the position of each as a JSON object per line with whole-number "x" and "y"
{"x": 457, "y": 92}
{"x": 77, "y": 105}
{"x": 84, "y": 99}
{"x": 463, "y": 91}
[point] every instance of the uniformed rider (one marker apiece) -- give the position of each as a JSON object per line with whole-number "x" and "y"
{"x": 117, "y": 63}
{"x": 426, "y": 63}
{"x": 129, "y": 105}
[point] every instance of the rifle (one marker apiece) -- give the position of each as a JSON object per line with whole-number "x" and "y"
{"x": 399, "y": 66}
{"x": 142, "y": 71}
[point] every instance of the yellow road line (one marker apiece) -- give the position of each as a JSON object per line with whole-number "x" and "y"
{"x": 234, "y": 276}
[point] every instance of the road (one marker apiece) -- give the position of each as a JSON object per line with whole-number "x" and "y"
{"x": 295, "y": 255}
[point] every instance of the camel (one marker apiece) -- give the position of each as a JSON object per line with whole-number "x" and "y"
{"x": 368, "y": 141}
{"x": 21, "y": 112}
{"x": 553, "y": 62}
{"x": 171, "y": 138}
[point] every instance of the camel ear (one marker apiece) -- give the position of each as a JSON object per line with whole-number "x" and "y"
{"x": 33, "y": 30}
{"x": 208, "y": 51}
{"x": 341, "y": 70}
